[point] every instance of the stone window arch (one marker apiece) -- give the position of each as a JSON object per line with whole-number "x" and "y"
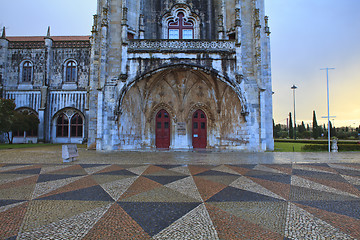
{"x": 26, "y": 71}
{"x": 76, "y": 126}
{"x": 70, "y": 70}
{"x": 62, "y": 126}
{"x": 69, "y": 123}
{"x": 181, "y": 23}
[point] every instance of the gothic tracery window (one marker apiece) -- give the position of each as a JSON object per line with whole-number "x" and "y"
{"x": 62, "y": 126}
{"x": 76, "y": 126}
{"x": 180, "y": 28}
{"x": 27, "y": 69}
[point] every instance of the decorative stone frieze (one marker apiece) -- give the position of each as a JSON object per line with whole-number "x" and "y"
{"x": 181, "y": 45}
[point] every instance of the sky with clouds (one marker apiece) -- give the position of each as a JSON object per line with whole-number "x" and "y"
{"x": 307, "y": 35}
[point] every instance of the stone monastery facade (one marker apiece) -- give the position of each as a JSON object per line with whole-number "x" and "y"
{"x": 173, "y": 74}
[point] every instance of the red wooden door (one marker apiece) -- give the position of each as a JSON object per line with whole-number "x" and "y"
{"x": 162, "y": 129}
{"x": 199, "y": 129}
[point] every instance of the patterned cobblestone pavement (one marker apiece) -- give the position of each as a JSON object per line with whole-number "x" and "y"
{"x": 183, "y": 201}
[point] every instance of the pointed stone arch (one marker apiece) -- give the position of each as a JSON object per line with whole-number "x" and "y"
{"x": 160, "y": 106}
{"x": 206, "y": 71}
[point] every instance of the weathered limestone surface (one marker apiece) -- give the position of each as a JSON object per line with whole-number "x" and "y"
{"x": 225, "y": 71}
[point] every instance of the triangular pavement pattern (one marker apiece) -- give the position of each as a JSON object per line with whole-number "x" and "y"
{"x": 161, "y": 194}
{"x": 324, "y": 168}
{"x": 47, "y": 187}
{"x": 138, "y": 170}
{"x": 270, "y": 176}
{"x": 166, "y": 213}
{"x": 182, "y": 169}
{"x": 312, "y": 226}
{"x": 196, "y": 169}
{"x": 117, "y": 188}
{"x": 153, "y": 169}
{"x": 91, "y": 169}
{"x": 165, "y": 179}
{"x": 194, "y": 225}
{"x": 282, "y": 168}
{"x": 246, "y": 184}
{"x": 141, "y": 184}
{"x": 51, "y": 168}
{"x": 231, "y": 194}
{"x": 278, "y": 188}
{"x": 207, "y": 188}
{"x": 344, "y": 223}
{"x": 308, "y": 194}
{"x": 347, "y": 208}
{"x": 109, "y": 169}
{"x": 116, "y": 224}
{"x": 303, "y": 182}
{"x": 225, "y": 169}
{"x": 27, "y": 169}
{"x": 352, "y": 180}
{"x": 67, "y": 228}
{"x": 265, "y": 168}
{"x": 56, "y": 211}
{"x": 229, "y": 226}
{"x": 10, "y": 167}
{"x": 30, "y": 180}
{"x": 105, "y": 178}
{"x": 81, "y": 183}
{"x": 23, "y": 192}
{"x": 270, "y": 215}
{"x": 11, "y": 219}
{"x": 70, "y": 170}
{"x": 7, "y": 204}
{"x": 186, "y": 186}
{"x": 242, "y": 170}
{"x": 94, "y": 193}
{"x": 9, "y": 178}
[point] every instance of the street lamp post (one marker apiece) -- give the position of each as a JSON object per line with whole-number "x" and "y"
{"x": 294, "y": 88}
{"x": 328, "y": 102}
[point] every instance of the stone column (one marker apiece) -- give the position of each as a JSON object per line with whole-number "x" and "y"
{"x": 43, "y": 112}
{"x": 45, "y": 108}
{"x": 4, "y": 46}
{"x": 238, "y": 39}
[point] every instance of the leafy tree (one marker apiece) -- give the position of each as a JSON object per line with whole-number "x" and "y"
{"x": 12, "y": 120}
{"x": 23, "y": 121}
{"x": 7, "y": 111}
{"x": 291, "y": 129}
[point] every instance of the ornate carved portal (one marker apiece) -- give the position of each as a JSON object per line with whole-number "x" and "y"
{"x": 170, "y": 107}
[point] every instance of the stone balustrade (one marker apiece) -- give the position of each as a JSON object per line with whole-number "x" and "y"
{"x": 140, "y": 45}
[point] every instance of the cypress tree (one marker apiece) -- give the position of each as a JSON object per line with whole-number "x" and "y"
{"x": 315, "y": 132}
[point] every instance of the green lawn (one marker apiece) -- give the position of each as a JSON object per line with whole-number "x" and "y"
{"x": 28, "y": 145}
{"x": 288, "y": 147}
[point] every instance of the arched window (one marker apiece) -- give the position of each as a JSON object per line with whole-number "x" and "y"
{"x": 180, "y": 28}
{"x": 27, "y": 69}
{"x": 76, "y": 126}
{"x": 70, "y": 72}
{"x": 62, "y": 126}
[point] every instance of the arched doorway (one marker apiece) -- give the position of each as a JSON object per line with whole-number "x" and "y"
{"x": 162, "y": 129}
{"x": 199, "y": 129}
